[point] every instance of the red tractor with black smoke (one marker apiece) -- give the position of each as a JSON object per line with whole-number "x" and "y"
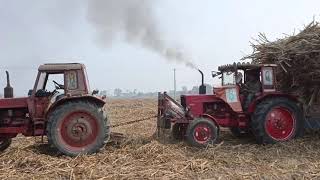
{"x": 247, "y": 102}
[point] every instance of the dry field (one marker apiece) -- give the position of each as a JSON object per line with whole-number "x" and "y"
{"x": 140, "y": 156}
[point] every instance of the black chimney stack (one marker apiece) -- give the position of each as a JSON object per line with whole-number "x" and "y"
{"x": 8, "y": 91}
{"x": 202, "y": 88}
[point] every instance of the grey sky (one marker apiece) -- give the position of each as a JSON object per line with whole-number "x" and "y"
{"x": 213, "y": 32}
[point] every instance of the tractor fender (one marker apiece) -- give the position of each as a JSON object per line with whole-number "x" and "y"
{"x": 208, "y": 116}
{"x": 96, "y": 100}
{"x": 259, "y": 99}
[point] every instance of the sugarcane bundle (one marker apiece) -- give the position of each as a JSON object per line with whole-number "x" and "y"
{"x": 297, "y": 57}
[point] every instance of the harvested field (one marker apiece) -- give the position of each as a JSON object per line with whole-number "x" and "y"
{"x": 140, "y": 156}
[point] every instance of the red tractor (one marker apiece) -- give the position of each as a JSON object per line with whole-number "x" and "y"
{"x": 73, "y": 119}
{"x": 261, "y": 110}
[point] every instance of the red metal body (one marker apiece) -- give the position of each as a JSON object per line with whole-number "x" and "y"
{"x": 209, "y": 106}
{"x": 28, "y": 115}
{"x": 212, "y": 107}
{"x": 225, "y": 106}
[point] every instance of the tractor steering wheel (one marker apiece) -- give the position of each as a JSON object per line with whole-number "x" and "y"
{"x": 57, "y": 85}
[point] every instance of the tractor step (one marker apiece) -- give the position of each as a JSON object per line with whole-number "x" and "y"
{"x": 39, "y": 127}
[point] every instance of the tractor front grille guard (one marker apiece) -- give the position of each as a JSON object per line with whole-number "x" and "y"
{"x": 169, "y": 111}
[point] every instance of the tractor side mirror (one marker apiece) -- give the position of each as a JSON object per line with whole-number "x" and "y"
{"x": 30, "y": 92}
{"x": 95, "y": 92}
{"x": 215, "y": 74}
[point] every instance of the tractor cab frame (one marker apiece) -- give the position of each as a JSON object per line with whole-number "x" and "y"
{"x": 235, "y": 81}
{"x": 74, "y": 77}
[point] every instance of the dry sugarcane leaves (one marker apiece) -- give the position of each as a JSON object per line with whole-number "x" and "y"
{"x": 297, "y": 56}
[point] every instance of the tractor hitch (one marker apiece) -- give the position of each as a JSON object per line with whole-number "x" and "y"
{"x": 169, "y": 111}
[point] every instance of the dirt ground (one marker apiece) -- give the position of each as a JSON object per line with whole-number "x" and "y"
{"x": 140, "y": 156}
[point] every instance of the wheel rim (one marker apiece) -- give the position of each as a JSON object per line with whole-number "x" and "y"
{"x": 78, "y": 130}
{"x": 280, "y": 124}
{"x": 202, "y": 133}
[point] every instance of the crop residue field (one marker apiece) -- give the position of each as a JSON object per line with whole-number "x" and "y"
{"x": 141, "y": 156}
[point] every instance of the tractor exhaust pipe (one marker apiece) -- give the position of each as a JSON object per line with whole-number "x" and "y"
{"x": 8, "y": 90}
{"x": 202, "y": 88}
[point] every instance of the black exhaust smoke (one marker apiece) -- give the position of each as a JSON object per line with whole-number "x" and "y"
{"x": 8, "y": 90}
{"x": 202, "y": 88}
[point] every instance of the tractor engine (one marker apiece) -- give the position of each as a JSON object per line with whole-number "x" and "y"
{"x": 11, "y": 117}
{"x": 14, "y": 117}
{"x": 216, "y": 109}
{"x": 7, "y": 116}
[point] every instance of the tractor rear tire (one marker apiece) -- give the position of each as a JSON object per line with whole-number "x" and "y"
{"x": 78, "y": 127}
{"x": 277, "y": 120}
{"x": 5, "y": 143}
{"x": 202, "y": 132}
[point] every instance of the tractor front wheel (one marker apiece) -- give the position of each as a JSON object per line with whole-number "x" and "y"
{"x": 5, "y": 143}
{"x": 202, "y": 132}
{"x": 78, "y": 128}
{"x": 277, "y": 120}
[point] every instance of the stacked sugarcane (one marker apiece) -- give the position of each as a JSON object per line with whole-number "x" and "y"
{"x": 298, "y": 60}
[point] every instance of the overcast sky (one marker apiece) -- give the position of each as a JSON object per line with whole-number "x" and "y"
{"x": 213, "y": 32}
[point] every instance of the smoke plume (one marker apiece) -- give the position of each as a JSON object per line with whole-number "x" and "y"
{"x": 135, "y": 20}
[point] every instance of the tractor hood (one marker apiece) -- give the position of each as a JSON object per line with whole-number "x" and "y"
{"x": 12, "y": 103}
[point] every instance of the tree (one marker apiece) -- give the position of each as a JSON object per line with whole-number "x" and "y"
{"x": 209, "y": 89}
{"x": 117, "y": 92}
{"x": 195, "y": 90}
{"x": 104, "y": 93}
{"x": 184, "y": 89}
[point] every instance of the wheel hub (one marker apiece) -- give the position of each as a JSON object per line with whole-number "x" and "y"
{"x": 79, "y": 129}
{"x": 202, "y": 133}
{"x": 280, "y": 123}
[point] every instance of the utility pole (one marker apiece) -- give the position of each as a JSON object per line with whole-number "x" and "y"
{"x": 174, "y": 84}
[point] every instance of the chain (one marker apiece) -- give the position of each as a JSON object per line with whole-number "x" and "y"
{"x": 132, "y": 122}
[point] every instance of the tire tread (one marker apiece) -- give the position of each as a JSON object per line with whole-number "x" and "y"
{"x": 262, "y": 109}
{"x": 63, "y": 109}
